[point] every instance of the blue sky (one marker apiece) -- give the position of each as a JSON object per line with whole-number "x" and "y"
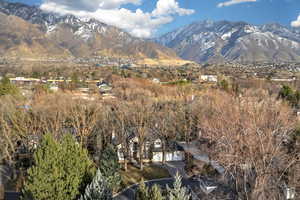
{"x": 180, "y": 13}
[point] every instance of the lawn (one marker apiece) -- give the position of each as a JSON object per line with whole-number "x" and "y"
{"x": 135, "y": 175}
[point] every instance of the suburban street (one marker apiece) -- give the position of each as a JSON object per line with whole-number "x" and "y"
{"x": 129, "y": 193}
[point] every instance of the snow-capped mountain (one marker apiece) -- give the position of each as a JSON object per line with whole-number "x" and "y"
{"x": 81, "y": 37}
{"x": 209, "y": 41}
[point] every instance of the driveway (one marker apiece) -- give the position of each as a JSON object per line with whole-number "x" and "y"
{"x": 198, "y": 155}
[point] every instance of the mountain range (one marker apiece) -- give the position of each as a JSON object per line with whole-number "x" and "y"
{"x": 27, "y": 31}
{"x": 223, "y": 41}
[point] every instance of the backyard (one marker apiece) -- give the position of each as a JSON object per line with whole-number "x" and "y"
{"x": 135, "y": 175}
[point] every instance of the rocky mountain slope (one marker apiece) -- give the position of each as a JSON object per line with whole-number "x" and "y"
{"x": 28, "y": 31}
{"x": 209, "y": 41}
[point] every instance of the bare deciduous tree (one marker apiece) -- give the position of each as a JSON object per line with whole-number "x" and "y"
{"x": 249, "y": 133}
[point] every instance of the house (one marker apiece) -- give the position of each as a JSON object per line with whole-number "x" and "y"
{"x": 104, "y": 88}
{"x": 173, "y": 152}
{"x": 290, "y": 193}
{"x": 209, "y": 78}
{"x": 156, "y": 80}
{"x": 153, "y": 150}
{"x": 54, "y": 88}
{"x": 23, "y": 80}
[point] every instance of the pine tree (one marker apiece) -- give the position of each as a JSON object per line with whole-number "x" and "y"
{"x": 7, "y": 88}
{"x": 109, "y": 167}
{"x": 98, "y": 189}
{"x": 142, "y": 192}
{"x": 155, "y": 193}
{"x": 59, "y": 172}
{"x": 178, "y": 192}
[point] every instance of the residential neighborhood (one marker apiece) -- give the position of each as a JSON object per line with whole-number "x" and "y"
{"x": 149, "y": 100}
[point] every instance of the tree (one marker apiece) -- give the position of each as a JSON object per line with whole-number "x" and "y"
{"x": 41, "y": 90}
{"x": 155, "y": 193}
{"x": 109, "y": 167}
{"x": 285, "y": 92}
{"x": 98, "y": 189}
{"x": 142, "y": 192}
{"x": 7, "y": 88}
{"x": 146, "y": 193}
{"x": 164, "y": 124}
{"x": 141, "y": 113}
{"x": 248, "y": 142}
{"x": 224, "y": 85}
{"x": 75, "y": 82}
{"x": 288, "y": 94}
{"x": 60, "y": 171}
{"x": 83, "y": 118}
{"x": 178, "y": 192}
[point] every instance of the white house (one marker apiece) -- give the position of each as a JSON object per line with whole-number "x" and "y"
{"x": 156, "y": 80}
{"x": 209, "y": 78}
{"x": 153, "y": 151}
{"x": 173, "y": 153}
{"x": 54, "y": 88}
{"x": 290, "y": 193}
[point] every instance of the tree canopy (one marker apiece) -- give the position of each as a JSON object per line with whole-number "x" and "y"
{"x": 60, "y": 171}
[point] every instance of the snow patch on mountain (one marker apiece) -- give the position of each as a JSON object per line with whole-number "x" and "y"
{"x": 234, "y": 40}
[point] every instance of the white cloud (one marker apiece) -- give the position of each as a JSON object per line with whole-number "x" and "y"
{"x": 233, "y": 2}
{"x": 138, "y": 22}
{"x": 296, "y": 23}
{"x": 169, "y": 7}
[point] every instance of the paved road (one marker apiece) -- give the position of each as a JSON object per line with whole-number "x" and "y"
{"x": 12, "y": 196}
{"x": 129, "y": 194}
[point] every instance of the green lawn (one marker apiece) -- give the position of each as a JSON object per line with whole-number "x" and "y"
{"x": 134, "y": 174}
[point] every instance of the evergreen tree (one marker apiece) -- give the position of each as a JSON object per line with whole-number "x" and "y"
{"x": 285, "y": 92}
{"x": 178, "y": 192}
{"x": 98, "y": 189}
{"x": 7, "y": 88}
{"x": 142, "y": 192}
{"x": 109, "y": 167}
{"x": 224, "y": 85}
{"x": 288, "y": 94}
{"x": 59, "y": 172}
{"x": 75, "y": 82}
{"x": 155, "y": 193}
